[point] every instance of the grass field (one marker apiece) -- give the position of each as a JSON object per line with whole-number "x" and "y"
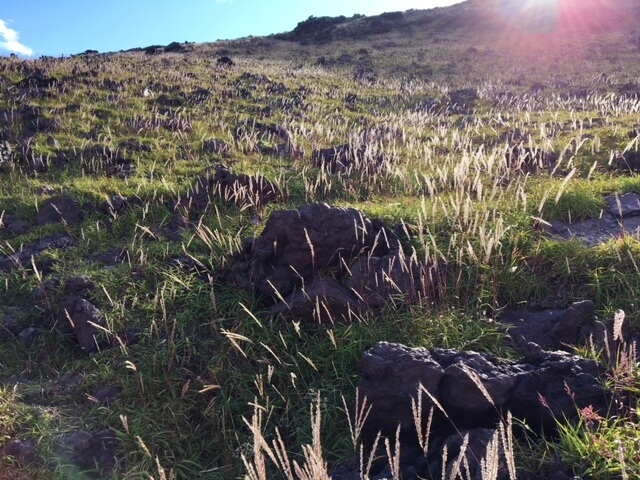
{"x": 442, "y": 106}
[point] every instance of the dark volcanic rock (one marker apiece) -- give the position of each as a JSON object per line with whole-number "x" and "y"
{"x": 380, "y": 281}
{"x": 529, "y": 160}
{"x": 624, "y": 206}
{"x": 106, "y": 394}
{"x": 239, "y": 189}
{"x": 540, "y": 388}
{"x": 296, "y": 244}
{"x": 323, "y": 301}
{"x": 349, "y": 158}
{"x": 23, "y": 451}
{"x": 83, "y": 316}
{"x": 96, "y": 453}
{"x": 79, "y": 286}
{"x": 628, "y": 162}
{"x": 63, "y": 209}
{"x": 552, "y": 328}
{"x": 225, "y": 61}
{"x": 243, "y": 189}
{"x": 463, "y": 100}
{"x": 23, "y": 257}
{"x": 112, "y": 257}
{"x": 476, "y": 450}
{"x": 13, "y": 225}
{"x": 326, "y": 264}
{"x": 114, "y": 205}
{"x": 217, "y": 147}
{"x": 622, "y": 217}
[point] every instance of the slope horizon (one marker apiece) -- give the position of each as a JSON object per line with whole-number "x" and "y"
{"x": 33, "y": 28}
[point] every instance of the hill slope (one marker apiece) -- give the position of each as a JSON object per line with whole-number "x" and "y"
{"x": 142, "y": 229}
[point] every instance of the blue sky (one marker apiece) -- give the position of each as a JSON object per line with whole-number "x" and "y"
{"x": 64, "y": 27}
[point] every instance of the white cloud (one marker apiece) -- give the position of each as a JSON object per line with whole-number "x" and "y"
{"x": 9, "y": 41}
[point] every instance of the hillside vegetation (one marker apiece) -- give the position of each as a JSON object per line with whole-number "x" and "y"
{"x": 425, "y": 118}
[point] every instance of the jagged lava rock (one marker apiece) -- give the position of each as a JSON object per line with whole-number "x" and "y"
{"x": 322, "y": 301}
{"x": 538, "y": 389}
{"x": 296, "y": 244}
{"x": 63, "y": 209}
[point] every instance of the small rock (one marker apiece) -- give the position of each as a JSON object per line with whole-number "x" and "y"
{"x": 85, "y": 319}
{"x": 28, "y": 336}
{"x": 323, "y": 301}
{"x": 23, "y": 451}
{"x": 97, "y": 453}
{"x": 106, "y": 395}
{"x": 63, "y": 209}
{"x": 9, "y": 324}
{"x": 624, "y": 206}
{"x": 79, "y": 285}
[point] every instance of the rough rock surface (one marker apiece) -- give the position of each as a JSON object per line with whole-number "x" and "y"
{"x": 89, "y": 452}
{"x": 349, "y": 157}
{"x": 529, "y": 160}
{"x": 297, "y": 244}
{"x": 550, "y": 328}
{"x": 13, "y": 225}
{"x": 63, "y": 209}
{"x": 23, "y": 257}
{"x": 475, "y": 390}
{"x": 380, "y": 281}
{"x": 292, "y": 263}
{"x": 83, "y": 316}
{"x": 627, "y": 162}
{"x": 239, "y": 189}
{"x": 622, "y": 216}
{"x": 322, "y": 301}
{"x": 392, "y": 373}
{"x": 23, "y": 451}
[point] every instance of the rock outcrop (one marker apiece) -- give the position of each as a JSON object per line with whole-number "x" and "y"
{"x": 620, "y": 217}
{"x": 62, "y": 209}
{"x": 468, "y": 395}
{"x": 321, "y": 261}
{"x": 238, "y": 189}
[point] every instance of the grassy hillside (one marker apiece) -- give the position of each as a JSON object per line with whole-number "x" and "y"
{"x": 442, "y": 94}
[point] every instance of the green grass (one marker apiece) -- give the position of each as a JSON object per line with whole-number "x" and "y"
{"x": 205, "y": 354}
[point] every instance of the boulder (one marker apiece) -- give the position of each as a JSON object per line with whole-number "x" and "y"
{"x": 356, "y": 157}
{"x": 628, "y": 162}
{"x": 83, "y": 452}
{"x": 114, "y": 205}
{"x": 471, "y": 390}
{"x": 322, "y": 263}
{"x": 22, "y": 258}
{"x": 62, "y": 209}
{"x": 106, "y": 395}
{"x": 216, "y": 147}
{"x": 624, "y": 206}
{"x": 243, "y": 190}
{"x": 83, "y": 316}
{"x": 23, "y": 452}
{"x": 529, "y": 160}
{"x": 225, "y": 61}
{"x": 390, "y": 279}
{"x": 620, "y": 218}
{"x": 296, "y": 244}
{"x": 85, "y": 319}
{"x": 463, "y": 100}
{"x": 550, "y": 328}
{"x": 239, "y": 189}
{"x": 13, "y": 225}
{"x": 323, "y": 301}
